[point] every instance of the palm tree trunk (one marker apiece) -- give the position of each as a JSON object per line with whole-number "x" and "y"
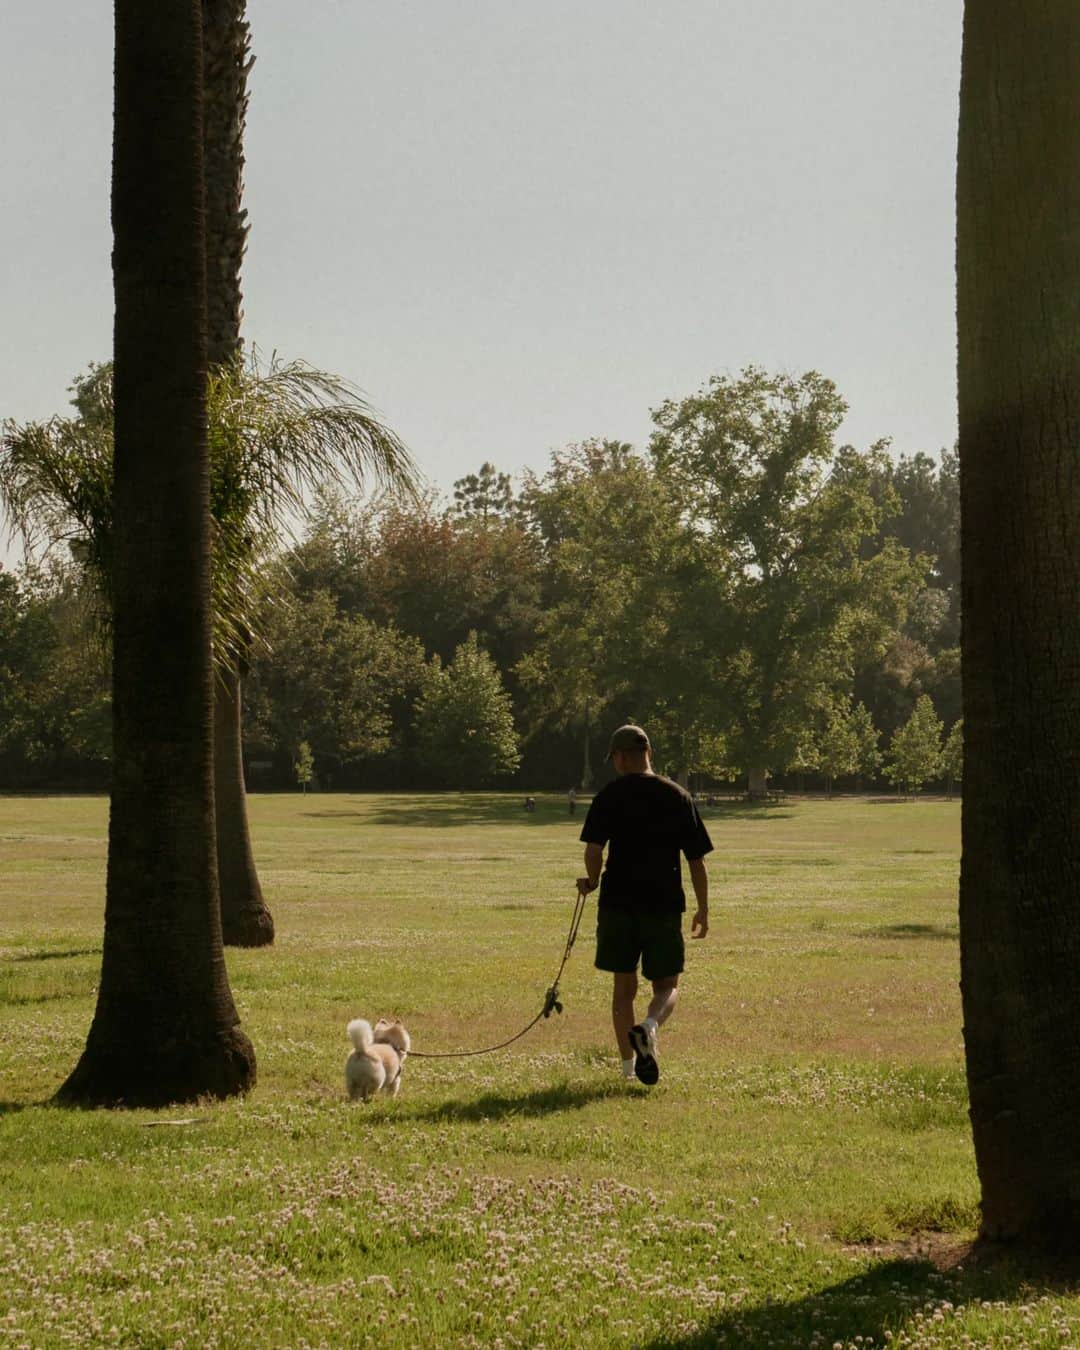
{"x": 165, "y": 1027}
{"x": 226, "y": 64}
{"x": 245, "y": 919}
{"x": 1018, "y": 271}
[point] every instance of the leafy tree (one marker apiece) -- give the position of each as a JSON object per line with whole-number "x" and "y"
{"x": 332, "y": 680}
{"x": 439, "y": 577}
{"x": 838, "y": 745}
{"x": 867, "y": 754}
{"x": 55, "y": 705}
{"x": 464, "y": 720}
{"x": 784, "y": 517}
{"x": 304, "y": 765}
{"x": 485, "y": 496}
{"x": 806, "y": 756}
{"x": 165, "y": 1027}
{"x": 926, "y": 521}
{"x": 336, "y": 550}
{"x": 608, "y": 537}
{"x": 953, "y": 755}
{"x": 915, "y": 750}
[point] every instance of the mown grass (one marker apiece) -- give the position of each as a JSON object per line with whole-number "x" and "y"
{"x": 802, "y": 1175}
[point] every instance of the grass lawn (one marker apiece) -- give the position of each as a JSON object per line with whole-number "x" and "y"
{"x": 802, "y": 1175}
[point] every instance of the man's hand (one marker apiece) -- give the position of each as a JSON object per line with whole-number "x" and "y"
{"x": 594, "y": 861}
{"x": 700, "y": 926}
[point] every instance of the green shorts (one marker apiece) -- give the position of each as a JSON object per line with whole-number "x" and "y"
{"x": 626, "y": 936}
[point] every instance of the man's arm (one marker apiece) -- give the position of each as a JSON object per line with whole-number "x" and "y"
{"x": 594, "y": 860}
{"x": 700, "y": 878}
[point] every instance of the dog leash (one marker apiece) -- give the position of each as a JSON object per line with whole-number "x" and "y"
{"x": 551, "y": 999}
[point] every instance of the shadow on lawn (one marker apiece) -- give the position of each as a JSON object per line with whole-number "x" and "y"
{"x": 446, "y": 810}
{"x": 55, "y": 955}
{"x": 469, "y": 809}
{"x": 914, "y": 930}
{"x": 540, "y": 1102}
{"x": 869, "y": 1304}
{"x": 746, "y": 810}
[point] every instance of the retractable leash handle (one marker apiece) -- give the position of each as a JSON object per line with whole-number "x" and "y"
{"x": 552, "y": 1002}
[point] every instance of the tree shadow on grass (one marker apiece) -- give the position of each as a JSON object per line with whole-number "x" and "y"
{"x": 896, "y": 799}
{"x": 539, "y": 1102}
{"x": 746, "y": 810}
{"x": 48, "y": 955}
{"x": 453, "y": 809}
{"x": 35, "y": 1000}
{"x": 875, "y": 1301}
{"x": 914, "y": 930}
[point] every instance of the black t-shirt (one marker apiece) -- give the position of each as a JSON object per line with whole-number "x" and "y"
{"x": 648, "y": 821}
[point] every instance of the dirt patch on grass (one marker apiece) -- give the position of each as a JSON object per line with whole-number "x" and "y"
{"x": 943, "y": 1251}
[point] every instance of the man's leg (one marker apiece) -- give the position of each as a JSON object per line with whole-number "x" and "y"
{"x": 662, "y": 1004}
{"x": 622, "y": 1010}
{"x": 662, "y": 962}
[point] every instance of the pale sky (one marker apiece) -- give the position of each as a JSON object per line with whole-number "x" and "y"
{"x": 520, "y": 223}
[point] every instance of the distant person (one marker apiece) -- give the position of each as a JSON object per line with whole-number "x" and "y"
{"x": 530, "y": 804}
{"x": 646, "y": 821}
{"x": 571, "y": 800}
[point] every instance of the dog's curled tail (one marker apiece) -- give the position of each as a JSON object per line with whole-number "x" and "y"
{"x": 360, "y": 1033}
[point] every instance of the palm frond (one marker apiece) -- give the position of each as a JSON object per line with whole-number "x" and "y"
{"x": 280, "y": 431}
{"x": 56, "y": 486}
{"x": 276, "y": 433}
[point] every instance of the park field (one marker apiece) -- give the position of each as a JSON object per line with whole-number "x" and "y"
{"x": 801, "y": 1176}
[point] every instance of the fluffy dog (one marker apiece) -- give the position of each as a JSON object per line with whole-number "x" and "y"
{"x": 376, "y": 1062}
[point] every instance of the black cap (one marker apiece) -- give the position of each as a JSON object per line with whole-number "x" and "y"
{"x": 631, "y": 738}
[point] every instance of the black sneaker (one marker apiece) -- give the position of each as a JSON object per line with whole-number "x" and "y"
{"x": 643, "y": 1040}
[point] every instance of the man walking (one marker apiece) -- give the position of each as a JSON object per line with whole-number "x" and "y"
{"x": 646, "y": 821}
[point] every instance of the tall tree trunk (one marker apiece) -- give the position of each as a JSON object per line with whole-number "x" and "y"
{"x": 226, "y": 64}
{"x": 586, "y": 767}
{"x": 1018, "y": 272}
{"x": 245, "y": 919}
{"x": 758, "y": 783}
{"x": 165, "y": 1027}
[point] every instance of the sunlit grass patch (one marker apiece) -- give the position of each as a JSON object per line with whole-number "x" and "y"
{"x": 793, "y": 1179}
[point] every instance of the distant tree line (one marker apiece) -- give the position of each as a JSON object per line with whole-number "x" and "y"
{"x": 768, "y": 602}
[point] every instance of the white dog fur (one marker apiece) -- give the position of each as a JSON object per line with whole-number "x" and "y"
{"x": 378, "y": 1058}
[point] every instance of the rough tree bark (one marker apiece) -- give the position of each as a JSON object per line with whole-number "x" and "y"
{"x": 227, "y": 61}
{"x": 165, "y": 1027}
{"x": 246, "y": 920}
{"x": 1018, "y": 275}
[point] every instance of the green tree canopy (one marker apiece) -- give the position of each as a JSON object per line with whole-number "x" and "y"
{"x": 464, "y": 720}
{"x": 783, "y": 518}
{"x": 485, "y": 496}
{"x": 915, "y": 752}
{"x": 608, "y": 536}
{"x": 332, "y": 680}
{"x": 952, "y": 761}
{"x": 838, "y": 745}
